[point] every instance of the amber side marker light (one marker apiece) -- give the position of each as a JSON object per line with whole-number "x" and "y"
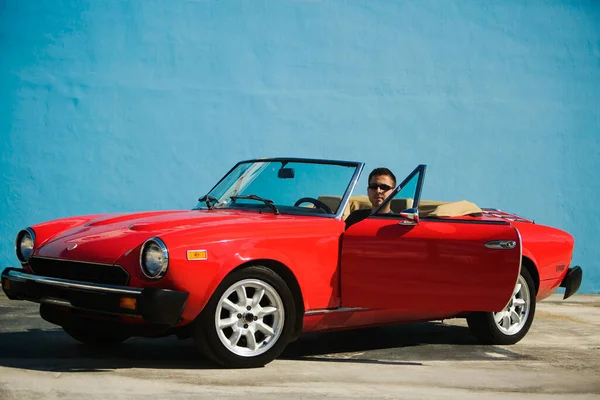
{"x": 6, "y": 284}
{"x": 128, "y": 303}
{"x": 197, "y": 255}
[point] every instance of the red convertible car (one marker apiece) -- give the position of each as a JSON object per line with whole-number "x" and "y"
{"x": 265, "y": 256}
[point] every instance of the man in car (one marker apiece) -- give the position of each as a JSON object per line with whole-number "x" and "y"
{"x": 381, "y": 183}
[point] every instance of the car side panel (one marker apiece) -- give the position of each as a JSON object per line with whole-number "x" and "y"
{"x": 551, "y": 251}
{"x": 434, "y": 266}
{"x": 310, "y": 251}
{"x": 307, "y": 246}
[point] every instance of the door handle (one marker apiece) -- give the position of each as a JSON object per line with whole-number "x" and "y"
{"x": 501, "y": 244}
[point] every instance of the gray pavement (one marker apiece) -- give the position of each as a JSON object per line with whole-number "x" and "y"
{"x": 559, "y": 358}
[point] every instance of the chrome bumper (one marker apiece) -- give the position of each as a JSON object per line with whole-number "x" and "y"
{"x": 157, "y": 306}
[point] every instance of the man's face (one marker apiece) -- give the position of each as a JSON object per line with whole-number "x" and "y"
{"x": 380, "y": 186}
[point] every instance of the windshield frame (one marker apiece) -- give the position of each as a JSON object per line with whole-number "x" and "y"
{"x": 359, "y": 166}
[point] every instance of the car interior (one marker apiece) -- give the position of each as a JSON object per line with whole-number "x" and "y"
{"x": 427, "y": 208}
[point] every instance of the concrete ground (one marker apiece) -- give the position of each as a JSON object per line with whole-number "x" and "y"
{"x": 559, "y": 358}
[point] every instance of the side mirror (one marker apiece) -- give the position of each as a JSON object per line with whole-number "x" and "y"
{"x": 411, "y": 216}
{"x": 286, "y": 173}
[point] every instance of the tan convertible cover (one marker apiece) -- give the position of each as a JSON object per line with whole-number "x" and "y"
{"x": 455, "y": 209}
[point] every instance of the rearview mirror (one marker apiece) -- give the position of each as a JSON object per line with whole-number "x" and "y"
{"x": 286, "y": 173}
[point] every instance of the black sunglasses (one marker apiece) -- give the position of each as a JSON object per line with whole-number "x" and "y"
{"x": 384, "y": 187}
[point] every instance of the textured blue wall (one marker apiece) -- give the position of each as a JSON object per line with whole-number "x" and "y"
{"x": 135, "y": 105}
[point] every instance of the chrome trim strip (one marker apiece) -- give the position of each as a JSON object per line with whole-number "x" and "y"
{"x": 501, "y": 244}
{"x": 165, "y": 252}
{"x": 520, "y": 251}
{"x": 406, "y": 222}
{"x": 56, "y": 302}
{"x": 419, "y": 188}
{"x": 187, "y": 255}
{"x": 420, "y": 169}
{"x": 75, "y": 261}
{"x": 288, "y": 159}
{"x": 17, "y": 240}
{"x": 303, "y": 160}
{"x": 346, "y": 198}
{"x": 520, "y": 267}
{"x": 465, "y": 221}
{"x": 334, "y": 310}
{"x": 21, "y": 277}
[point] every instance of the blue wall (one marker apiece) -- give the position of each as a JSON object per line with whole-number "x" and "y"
{"x": 135, "y": 105}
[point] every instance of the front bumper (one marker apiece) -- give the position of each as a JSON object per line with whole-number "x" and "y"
{"x": 155, "y": 306}
{"x": 572, "y": 281}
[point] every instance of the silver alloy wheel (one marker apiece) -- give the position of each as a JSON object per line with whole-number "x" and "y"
{"x": 249, "y": 317}
{"x": 511, "y": 320}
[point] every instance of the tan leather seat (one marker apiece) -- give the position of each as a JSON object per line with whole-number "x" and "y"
{"x": 355, "y": 203}
{"x": 427, "y": 208}
{"x": 361, "y": 201}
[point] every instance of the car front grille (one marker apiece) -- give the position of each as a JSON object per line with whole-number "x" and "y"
{"x": 79, "y": 271}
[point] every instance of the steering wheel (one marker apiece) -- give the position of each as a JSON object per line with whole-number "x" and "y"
{"x": 315, "y": 202}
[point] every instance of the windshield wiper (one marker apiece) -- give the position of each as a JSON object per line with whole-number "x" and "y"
{"x": 207, "y": 199}
{"x": 268, "y": 202}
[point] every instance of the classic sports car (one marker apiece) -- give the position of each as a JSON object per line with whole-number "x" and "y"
{"x": 266, "y": 256}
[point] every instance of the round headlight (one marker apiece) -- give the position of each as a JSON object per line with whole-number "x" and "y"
{"x": 24, "y": 244}
{"x": 154, "y": 258}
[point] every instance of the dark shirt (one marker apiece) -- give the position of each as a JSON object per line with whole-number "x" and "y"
{"x": 357, "y": 216}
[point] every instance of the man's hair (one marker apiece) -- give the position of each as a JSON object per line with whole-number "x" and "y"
{"x": 382, "y": 171}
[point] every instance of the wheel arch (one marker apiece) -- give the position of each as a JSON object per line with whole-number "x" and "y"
{"x": 291, "y": 281}
{"x": 528, "y": 264}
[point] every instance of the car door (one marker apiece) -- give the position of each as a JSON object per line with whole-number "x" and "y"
{"x": 397, "y": 261}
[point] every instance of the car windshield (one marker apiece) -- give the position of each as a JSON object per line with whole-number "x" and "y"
{"x": 284, "y": 187}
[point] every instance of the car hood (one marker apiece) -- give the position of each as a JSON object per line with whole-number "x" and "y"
{"x": 107, "y": 238}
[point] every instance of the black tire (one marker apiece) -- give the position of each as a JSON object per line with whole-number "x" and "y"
{"x": 94, "y": 337}
{"x": 484, "y": 327}
{"x": 209, "y": 339}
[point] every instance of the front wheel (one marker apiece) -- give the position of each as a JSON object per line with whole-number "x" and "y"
{"x": 248, "y": 321}
{"x": 511, "y": 324}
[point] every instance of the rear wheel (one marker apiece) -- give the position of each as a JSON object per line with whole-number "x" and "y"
{"x": 511, "y": 324}
{"x": 249, "y": 319}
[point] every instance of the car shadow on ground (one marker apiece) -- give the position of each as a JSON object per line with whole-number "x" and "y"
{"x": 54, "y": 350}
{"x": 410, "y": 344}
